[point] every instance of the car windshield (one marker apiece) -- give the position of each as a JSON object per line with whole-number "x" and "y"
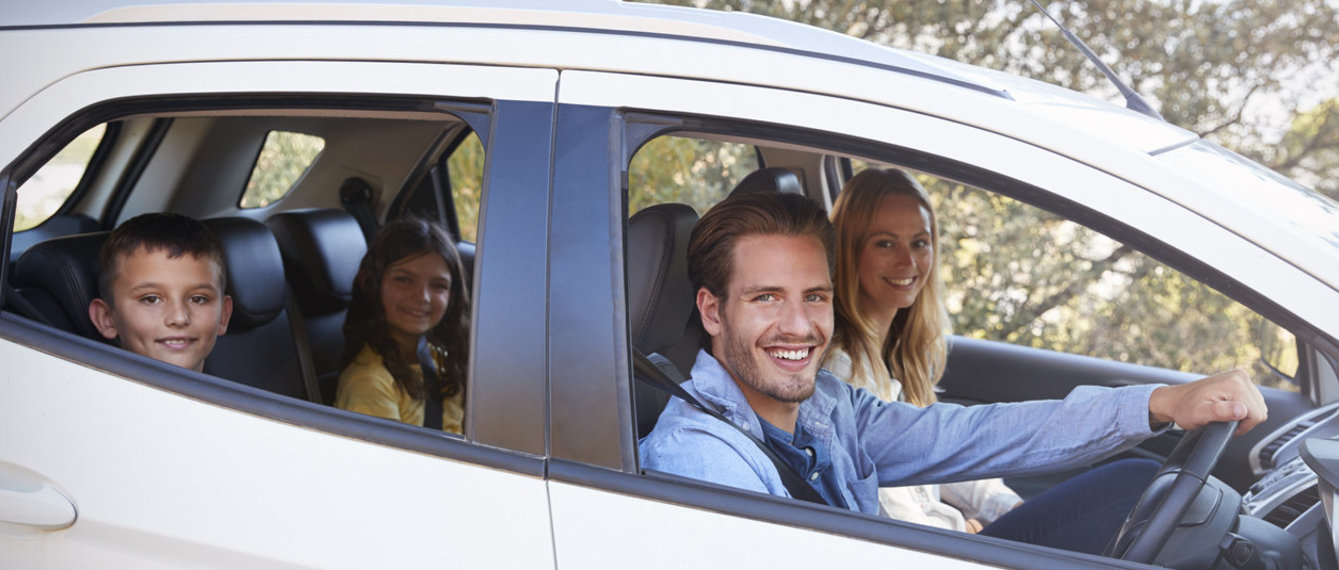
{"x": 1302, "y": 211}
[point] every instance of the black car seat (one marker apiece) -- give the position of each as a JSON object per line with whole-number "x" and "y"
{"x": 321, "y": 249}
{"x": 258, "y": 349}
{"x": 59, "y": 278}
{"x": 661, "y": 300}
{"x": 771, "y": 179}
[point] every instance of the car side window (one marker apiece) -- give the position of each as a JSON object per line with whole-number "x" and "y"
{"x": 694, "y": 171}
{"x": 291, "y": 343}
{"x": 42, "y": 195}
{"x": 466, "y": 169}
{"x": 1018, "y": 274}
{"x": 283, "y": 159}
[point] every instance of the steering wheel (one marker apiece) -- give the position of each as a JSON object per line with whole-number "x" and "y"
{"x": 1152, "y": 520}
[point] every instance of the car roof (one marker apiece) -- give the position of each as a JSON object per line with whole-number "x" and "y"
{"x": 612, "y": 16}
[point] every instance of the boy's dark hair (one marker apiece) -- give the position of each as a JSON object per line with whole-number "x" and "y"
{"x": 711, "y": 247}
{"x": 176, "y": 234}
{"x": 365, "y": 324}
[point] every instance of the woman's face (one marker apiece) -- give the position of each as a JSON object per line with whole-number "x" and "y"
{"x": 895, "y": 256}
{"x": 414, "y": 294}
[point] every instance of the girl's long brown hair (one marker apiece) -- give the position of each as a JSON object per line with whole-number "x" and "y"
{"x": 365, "y": 323}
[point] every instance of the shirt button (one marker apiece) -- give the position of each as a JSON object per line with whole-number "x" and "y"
{"x": 810, "y": 451}
{"x": 813, "y": 476}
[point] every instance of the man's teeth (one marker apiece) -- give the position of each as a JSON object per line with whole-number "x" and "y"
{"x": 799, "y": 354}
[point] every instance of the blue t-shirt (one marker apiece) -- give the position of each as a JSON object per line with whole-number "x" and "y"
{"x": 807, "y": 458}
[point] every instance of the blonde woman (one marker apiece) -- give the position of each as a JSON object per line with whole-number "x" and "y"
{"x": 891, "y": 338}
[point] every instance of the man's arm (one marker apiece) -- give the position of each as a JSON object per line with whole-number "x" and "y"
{"x": 689, "y": 451}
{"x": 1219, "y": 398}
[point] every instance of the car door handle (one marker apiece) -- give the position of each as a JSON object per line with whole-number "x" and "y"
{"x": 27, "y": 498}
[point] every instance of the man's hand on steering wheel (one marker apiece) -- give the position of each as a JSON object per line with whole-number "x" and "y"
{"x": 1222, "y": 397}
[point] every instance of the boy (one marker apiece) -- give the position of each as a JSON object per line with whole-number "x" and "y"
{"x": 161, "y": 287}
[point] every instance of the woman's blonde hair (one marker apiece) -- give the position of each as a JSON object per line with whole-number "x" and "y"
{"x": 916, "y": 347}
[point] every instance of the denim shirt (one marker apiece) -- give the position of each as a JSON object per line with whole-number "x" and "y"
{"x": 873, "y": 443}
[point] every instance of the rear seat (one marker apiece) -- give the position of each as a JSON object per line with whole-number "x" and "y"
{"x": 258, "y": 349}
{"x": 321, "y": 250}
{"x": 59, "y": 277}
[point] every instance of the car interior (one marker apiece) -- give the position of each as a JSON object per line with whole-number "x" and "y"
{"x": 291, "y": 260}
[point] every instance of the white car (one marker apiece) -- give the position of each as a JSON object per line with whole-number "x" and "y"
{"x": 519, "y": 124}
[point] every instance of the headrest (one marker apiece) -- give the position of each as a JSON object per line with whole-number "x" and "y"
{"x": 66, "y": 268}
{"x": 321, "y": 250}
{"x": 773, "y": 179}
{"x": 660, "y": 296}
{"x": 255, "y": 271}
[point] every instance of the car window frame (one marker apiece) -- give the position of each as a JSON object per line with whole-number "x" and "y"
{"x": 497, "y": 448}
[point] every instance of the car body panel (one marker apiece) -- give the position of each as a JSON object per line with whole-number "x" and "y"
{"x": 164, "y": 480}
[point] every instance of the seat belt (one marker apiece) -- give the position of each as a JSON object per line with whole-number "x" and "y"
{"x": 660, "y": 373}
{"x": 356, "y": 196}
{"x": 432, "y": 401}
{"x": 305, "y": 364}
{"x": 14, "y": 300}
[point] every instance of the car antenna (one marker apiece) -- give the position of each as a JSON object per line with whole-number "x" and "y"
{"x": 1133, "y": 100}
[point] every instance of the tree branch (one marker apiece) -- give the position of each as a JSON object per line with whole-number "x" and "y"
{"x": 1080, "y": 282}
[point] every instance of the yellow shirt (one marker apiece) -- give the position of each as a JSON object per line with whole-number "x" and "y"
{"x": 368, "y": 388}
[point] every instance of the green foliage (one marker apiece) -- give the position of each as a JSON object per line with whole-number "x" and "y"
{"x": 283, "y": 159}
{"x": 1028, "y": 277}
{"x": 1310, "y": 149}
{"x": 466, "y": 169}
{"x": 41, "y": 195}
{"x": 690, "y": 171}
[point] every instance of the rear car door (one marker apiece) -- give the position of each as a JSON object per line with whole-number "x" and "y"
{"x": 107, "y": 459}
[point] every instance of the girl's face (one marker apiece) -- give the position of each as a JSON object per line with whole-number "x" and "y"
{"x": 896, "y": 256}
{"x": 414, "y": 294}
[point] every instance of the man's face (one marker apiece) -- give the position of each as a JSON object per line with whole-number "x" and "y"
{"x": 167, "y": 309}
{"x": 773, "y": 326}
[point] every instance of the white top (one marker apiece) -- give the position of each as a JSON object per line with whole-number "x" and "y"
{"x": 943, "y": 506}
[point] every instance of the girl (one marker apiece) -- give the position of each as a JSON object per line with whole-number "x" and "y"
{"x": 409, "y": 306}
{"x": 890, "y": 337}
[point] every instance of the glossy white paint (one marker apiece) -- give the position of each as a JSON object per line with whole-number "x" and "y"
{"x": 161, "y": 480}
{"x": 600, "y": 529}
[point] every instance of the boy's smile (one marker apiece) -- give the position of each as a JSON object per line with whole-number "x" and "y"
{"x": 164, "y": 308}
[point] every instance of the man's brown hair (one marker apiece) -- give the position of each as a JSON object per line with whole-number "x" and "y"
{"x": 711, "y": 247}
{"x": 176, "y": 234}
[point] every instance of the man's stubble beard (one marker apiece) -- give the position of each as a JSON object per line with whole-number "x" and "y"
{"x": 739, "y": 362}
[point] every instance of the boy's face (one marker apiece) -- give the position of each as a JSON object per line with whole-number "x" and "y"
{"x": 167, "y": 309}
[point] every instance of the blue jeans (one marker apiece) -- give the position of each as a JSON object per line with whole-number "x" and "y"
{"x": 1081, "y": 514}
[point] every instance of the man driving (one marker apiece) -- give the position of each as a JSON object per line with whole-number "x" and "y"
{"x": 762, "y": 268}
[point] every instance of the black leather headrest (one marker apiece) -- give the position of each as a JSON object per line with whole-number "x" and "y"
{"x": 660, "y": 295}
{"x": 322, "y": 250}
{"x": 66, "y": 270}
{"x": 255, "y": 271}
{"x": 773, "y": 179}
